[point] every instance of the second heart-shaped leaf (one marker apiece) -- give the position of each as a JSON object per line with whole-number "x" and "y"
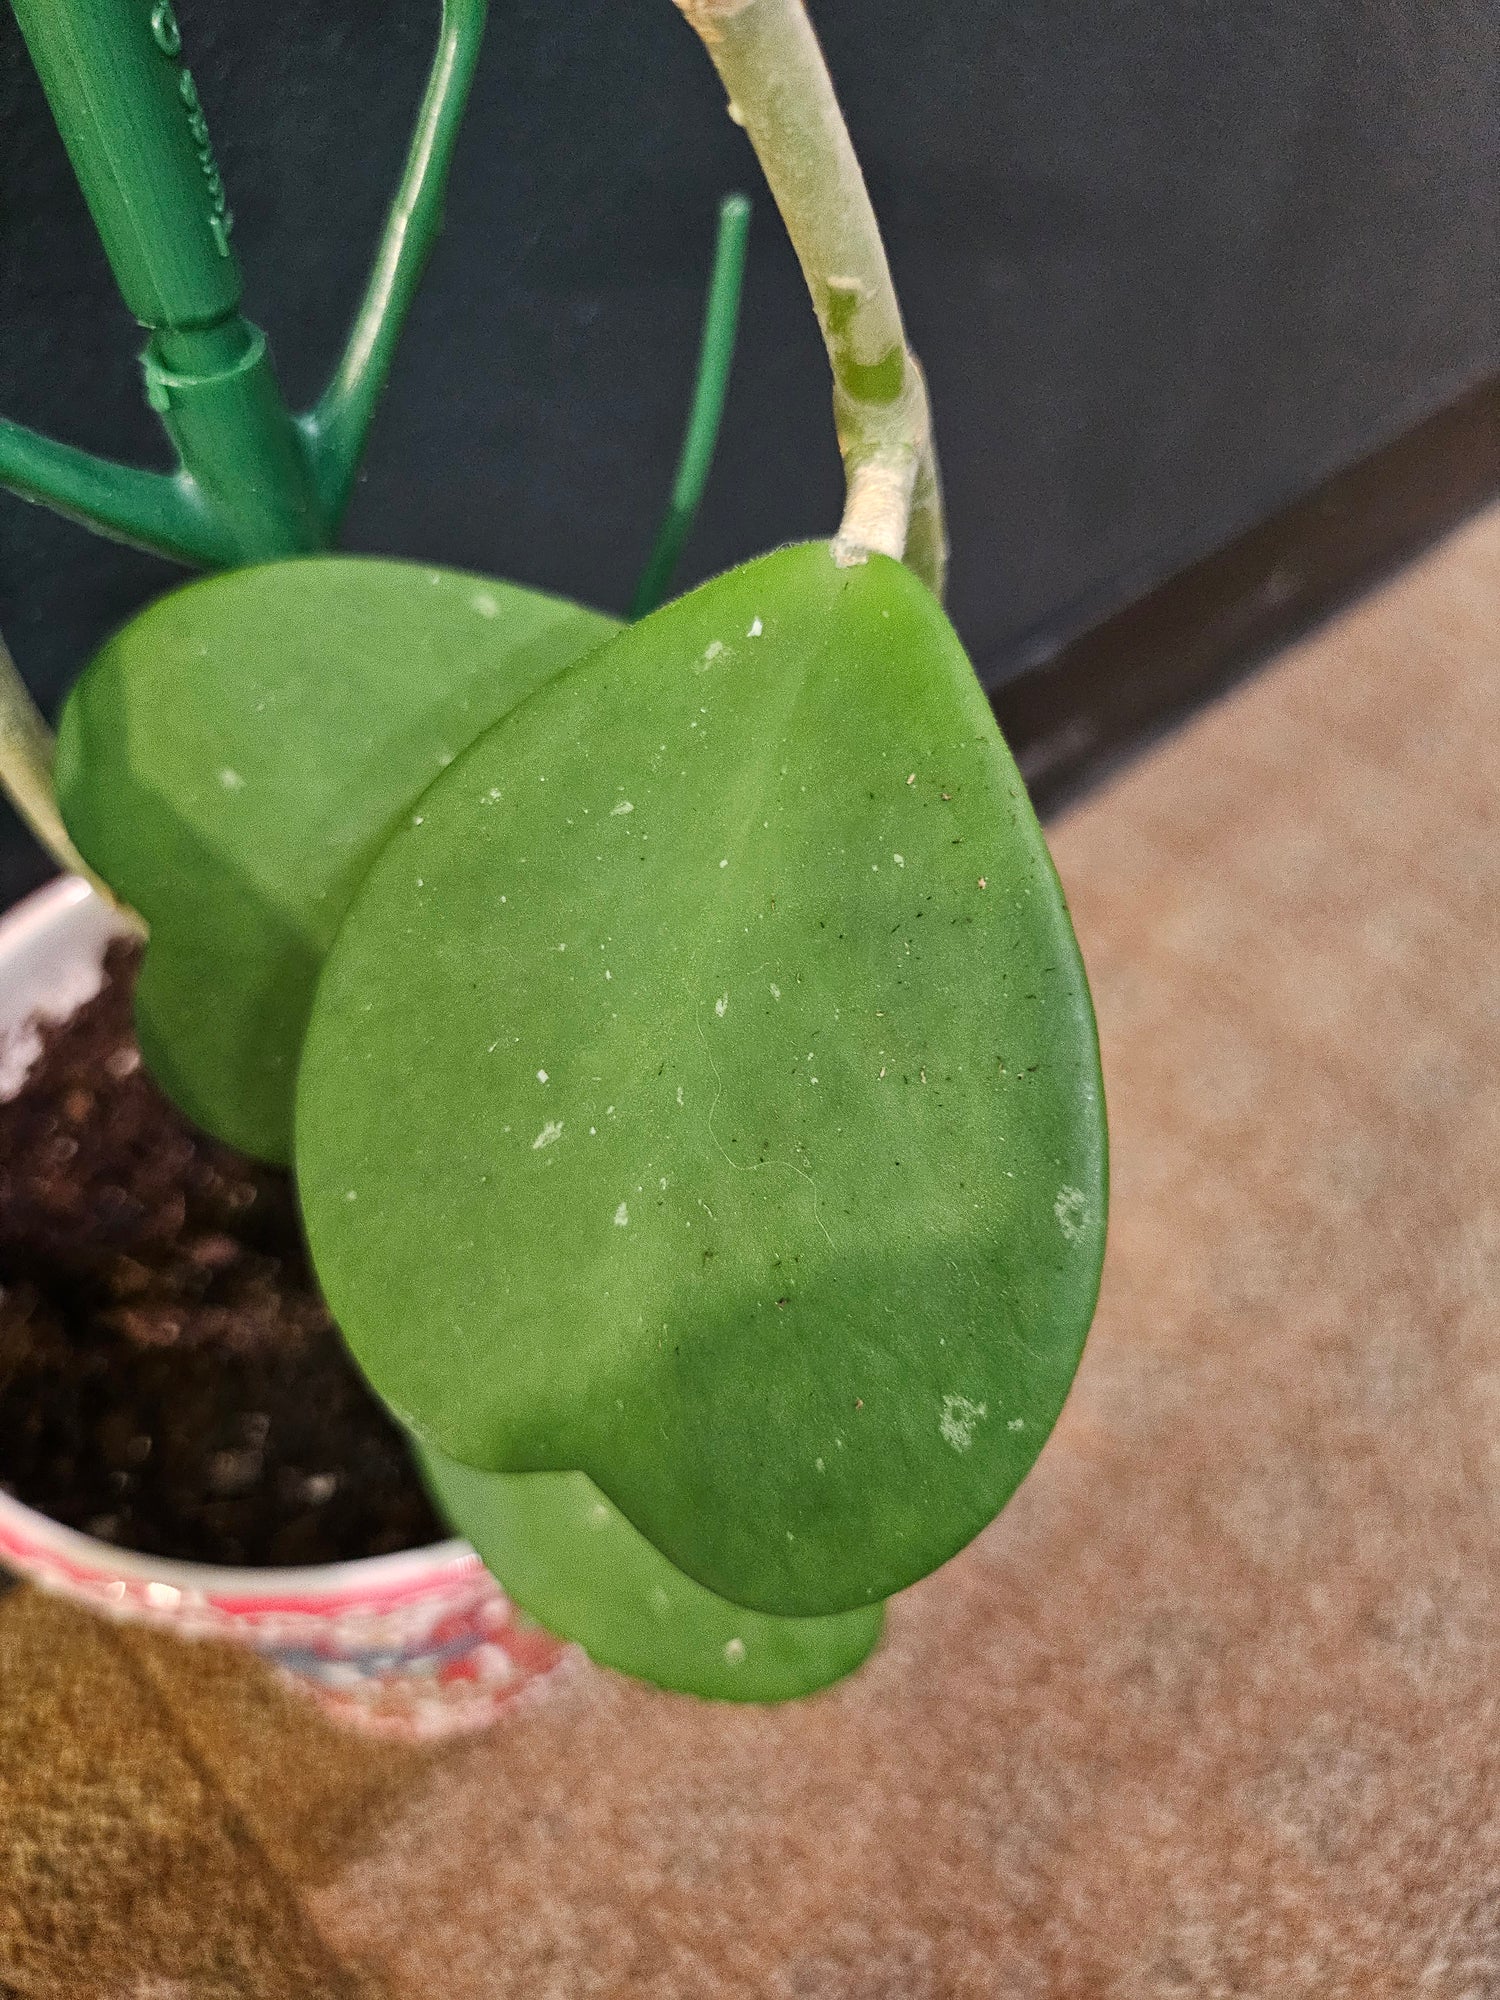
{"x": 577, "y": 1566}
{"x": 702, "y": 1093}
{"x": 233, "y": 758}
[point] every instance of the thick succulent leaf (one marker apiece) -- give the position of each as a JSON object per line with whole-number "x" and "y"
{"x": 703, "y": 1094}
{"x": 231, "y": 761}
{"x": 577, "y": 1566}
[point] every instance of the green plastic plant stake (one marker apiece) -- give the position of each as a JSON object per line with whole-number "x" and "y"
{"x": 577, "y": 1566}
{"x": 702, "y": 1093}
{"x": 254, "y": 482}
{"x": 230, "y": 764}
{"x": 721, "y": 311}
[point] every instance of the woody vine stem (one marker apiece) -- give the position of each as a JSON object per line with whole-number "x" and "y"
{"x": 26, "y": 775}
{"x": 768, "y": 58}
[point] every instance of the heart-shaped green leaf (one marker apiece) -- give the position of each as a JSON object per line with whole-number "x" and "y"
{"x": 577, "y": 1566}
{"x": 231, "y": 761}
{"x": 702, "y": 1093}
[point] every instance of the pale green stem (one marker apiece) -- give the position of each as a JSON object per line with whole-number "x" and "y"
{"x": 26, "y": 775}
{"x": 779, "y": 89}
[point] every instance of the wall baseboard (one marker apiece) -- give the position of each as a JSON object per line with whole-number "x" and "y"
{"x": 1107, "y": 694}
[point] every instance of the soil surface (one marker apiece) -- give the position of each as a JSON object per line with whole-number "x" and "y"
{"x": 170, "y": 1379}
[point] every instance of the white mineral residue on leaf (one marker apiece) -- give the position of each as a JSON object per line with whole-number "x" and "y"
{"x": 775, "y": 991}
{"x": 484, "y": 604}
{"x": 599, "y": 1514}
{"x": 416, "y": 819}
{"x": 351, "y": 1194}
{"x": 541, "y": 1076}
{"x": 622, "y": 1217}
{"x": 492, "y": 794}
{"x": 231, "y": 780}
{"x": 624, "y": 806}
{"x": 550, "y": 1133}
{"x": 1016, "y": 1424}
{"x": 1070, "y": 1212}
{"x": 725, "y": 862}
{"x": 721, "y": 1005}
{"x": 679, "y": 1093}
{"x": 958, "y": 1419}
{"x": 899, "y": 859}
{"x": 734, "y": 1651}
{"x": 756, "y": 628}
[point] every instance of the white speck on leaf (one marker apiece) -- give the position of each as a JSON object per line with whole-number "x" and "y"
{"x": 725, "y": 862}
{"x": 231, "y": 781}
{"x": 756, "y": 628}
{"x": 1016, "y": 1424}
{"x": 541, "y": 1076}
{"x": 713, "y": 649}
{"x": 721, "y": 1005}
{"x": 486, "y": 605}
{"x": 899, "y": 859}
{"x": 622, "y": 1217}
{"x": 615, "y": 812}
{"x": 775, "y": 991}
{"x": 550, "y": 1133}
{"x": 734, "y": 1651}
{"x": 958, "y": 1420}
{"x": 350, "y": 1195}
{"x": 1070, "y": 1212}
{"x": 679, "y": 1093}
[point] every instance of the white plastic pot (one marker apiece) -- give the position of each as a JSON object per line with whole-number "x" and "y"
{"x": 416, "y": 1645}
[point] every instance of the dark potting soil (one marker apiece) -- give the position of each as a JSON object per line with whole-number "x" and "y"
{"x": 170, "y": 1380}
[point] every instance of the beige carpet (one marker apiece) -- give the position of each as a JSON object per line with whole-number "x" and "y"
{"x": 1211, "y": 1710}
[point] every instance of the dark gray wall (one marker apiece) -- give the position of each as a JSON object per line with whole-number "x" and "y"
{"x": 1168, "y": 264}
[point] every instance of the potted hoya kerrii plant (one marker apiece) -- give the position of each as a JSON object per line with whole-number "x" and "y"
{"x": 674, "y": 1031}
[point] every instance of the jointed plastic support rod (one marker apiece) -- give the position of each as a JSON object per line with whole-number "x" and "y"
{"x": 254, "y": 480}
